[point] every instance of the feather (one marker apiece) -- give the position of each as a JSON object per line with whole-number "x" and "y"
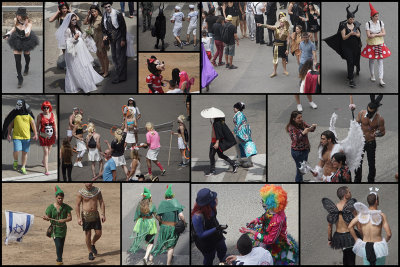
{"x": 332, "y": 123}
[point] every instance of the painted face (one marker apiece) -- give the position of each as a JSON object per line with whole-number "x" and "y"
{"x": 108, "y": 8}
{"x": 19, "y": 104}
{"x": 73, "y": 20}
{"x": 264, "y": 205}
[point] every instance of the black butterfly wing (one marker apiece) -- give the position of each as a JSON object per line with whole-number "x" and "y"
{"x": 348, "y": 210}
{"x": 333, "y": 212}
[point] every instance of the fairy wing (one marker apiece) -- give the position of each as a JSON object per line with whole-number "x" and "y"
{"x": 333, "y": 212}
{"x": 348, "y": 209}
{"x": 332, "y": 123}
{"x": 363, "y": 212}
{"x": 353, "y": 145}
{"x": 376, "y": 217}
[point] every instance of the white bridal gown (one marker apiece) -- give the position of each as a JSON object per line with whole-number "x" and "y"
{"x": 80, "y": 72}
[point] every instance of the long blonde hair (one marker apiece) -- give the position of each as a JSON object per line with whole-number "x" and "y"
{"x": 78, "y": 118}
{"x": 118, "y": 135}
{"x": 135, "y": 154}
{"x": 181, "y": 118}
{"x": 90, "y": 128}
{"x": 145, "y": 205}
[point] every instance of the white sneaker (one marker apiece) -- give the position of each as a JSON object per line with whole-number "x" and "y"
{"x": 373, "y": 78}
{"x": 80, "y": 164}
{"x": 381, "y": 82}
{"x": 299, "y": 108}
{"x": 313, "y": 105}
{"x": 75, "y": 164}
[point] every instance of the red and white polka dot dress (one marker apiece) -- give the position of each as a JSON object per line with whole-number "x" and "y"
{"x": 376, "y": 52}
{"x": 156, "y": 81}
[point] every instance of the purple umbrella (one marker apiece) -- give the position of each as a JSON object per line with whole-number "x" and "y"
{"x": 208, "y": 74}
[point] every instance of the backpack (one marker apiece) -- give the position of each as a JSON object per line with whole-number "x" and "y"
{"x": 92, "y": 143}
{"x": 225, "y": 33}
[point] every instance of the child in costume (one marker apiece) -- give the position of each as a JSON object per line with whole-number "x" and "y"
{"x": 170, "y": 213}
{"x": 153, "y": 142}
{"x": 376, "y": 48}
{"x": 155, "y": 79}
{"x": 145, "y": 227}
{"x": 269, "y": 230}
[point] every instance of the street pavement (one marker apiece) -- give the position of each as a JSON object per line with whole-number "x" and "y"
{"x": 239, "y": 204}
{"x": 147, "y": 42}
{"x": 254, "y": 62}
{"x": 55, "y": 78}
{"x": 131, "y": 195}
{"x": 156, "y": 109}
{"x": 281, "y": 166}
{"x": 35, "y": 154}
{"x": 201, "y": 131}
{"x": 334, "y": 70}
{"x": 314, "y": 247}
{"x": 33, "y": 82}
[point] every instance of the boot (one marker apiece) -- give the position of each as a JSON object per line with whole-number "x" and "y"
{"x": 19, "y": 67}
{"x": 20, "y": 81}
{"x": 27, "y": 60}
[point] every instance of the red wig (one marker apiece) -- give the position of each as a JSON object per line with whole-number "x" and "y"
{"x": 48, "y": 104}
{"x": 205, "y": 210}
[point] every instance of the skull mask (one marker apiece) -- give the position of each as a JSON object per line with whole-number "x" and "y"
{"x": 48, "y": 129}
{"x": 19, "y": 105}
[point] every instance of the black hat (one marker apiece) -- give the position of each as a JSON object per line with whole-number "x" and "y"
{"x": 140, "y": 176}
{"x": 106, "y": 3}
{"x": 351, "y": 14}
{"x": 21, "y": 12}
{"x": 244, "y": 244}
{"x": 205, "y": 196}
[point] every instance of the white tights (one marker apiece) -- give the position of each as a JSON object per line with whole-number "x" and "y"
{"x": 380, "y": 67}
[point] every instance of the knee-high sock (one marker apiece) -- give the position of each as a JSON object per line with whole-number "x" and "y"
{"x": 159, "y": 166}
{"x": 27, "y": 60}
{"x": 18, "y": 63}
{"x": 380, "y": 68}
{"x": 371, "y": 67}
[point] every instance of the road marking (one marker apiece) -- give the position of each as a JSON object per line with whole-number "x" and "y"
{"x": 256, "y": 174}
{"x": 33, "y": 177}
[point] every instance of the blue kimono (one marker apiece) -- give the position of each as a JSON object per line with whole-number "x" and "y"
{"x": 243, "y": 132}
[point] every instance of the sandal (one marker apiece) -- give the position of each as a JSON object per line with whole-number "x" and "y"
{"x": 108, "y": 74}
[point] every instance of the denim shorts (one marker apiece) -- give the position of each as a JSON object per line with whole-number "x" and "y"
{"x": 230, "y": 50}
{"x": 21, "y": 144}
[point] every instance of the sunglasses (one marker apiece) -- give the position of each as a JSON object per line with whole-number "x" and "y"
{"x": 46, "y": 107}
{"x": 107, "y": 6}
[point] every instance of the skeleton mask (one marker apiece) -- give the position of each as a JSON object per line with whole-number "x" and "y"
{"x": 19, "y": 105}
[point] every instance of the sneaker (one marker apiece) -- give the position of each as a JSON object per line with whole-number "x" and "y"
{"x": 373, "y": 78}
{"x": 80, "y": 164}
{"x": 299, "y": 108}
{"x": 185, "y": 165}
{"x": 23, "y": 170}
{"x": 213, "y": 63}
{"x": 144, "y": 261}
{"x": 180, "y": 164}
{"x": 181, "y": 45}
{"x": 91, "y": 257}
{"x": 94, "y": 250}
{"x": 221, "y": 63}
{"x": 235, "y": 168}
{"x": 313, "y": 105}
{"x": 15, "y": 165}
{"x": 232, "y": 67}
{"x": 351, "y": 83}
{"x": 163, "y": 172}
{"x": 227, "y": 66}
{"x": 210, "y": 174}
{"x": 75, "y": 164}
{"x": 381, "y": 82}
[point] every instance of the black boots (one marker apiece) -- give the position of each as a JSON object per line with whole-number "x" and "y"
{"x": 27, "y": 60}
{"x": 19, "y": 67}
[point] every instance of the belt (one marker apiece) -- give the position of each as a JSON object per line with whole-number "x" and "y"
{"x": 279, "y": 43}
{"x": 168, "y": 223}
{"x": 146, "y": 217}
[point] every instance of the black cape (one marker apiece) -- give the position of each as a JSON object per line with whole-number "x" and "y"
{"x": 160, "y": 26}
{"x": 336, "y": 41}
{"x": 224, "y": 135}
{"x": 25, "y": 110}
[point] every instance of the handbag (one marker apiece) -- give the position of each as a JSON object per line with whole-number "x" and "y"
{"x": 180, "y": 227}
{"x": 49, "y": 231}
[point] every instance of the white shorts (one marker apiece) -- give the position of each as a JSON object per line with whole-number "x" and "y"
{"x": 69, "y": 133}
{"x": 177, "y": 31}
{"x": 119, "y": 161}
{"x": 152, "y": 154}
{"x": 181, "y": 145}
{"x": 192, "y": 28}
{"x": 94, "y": 155}
{"x": 130, "y": 138}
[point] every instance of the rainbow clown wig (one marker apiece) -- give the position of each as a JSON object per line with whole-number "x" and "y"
{"x": 274, "y": 198}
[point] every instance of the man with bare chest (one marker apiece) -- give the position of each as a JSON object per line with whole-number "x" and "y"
{"x": 373, "y": 247}
{"x": 372, "y": 125}
{"x": 340, "y": 215}
{"x": 89, "y": 217}
{"x": 327, "y": 148}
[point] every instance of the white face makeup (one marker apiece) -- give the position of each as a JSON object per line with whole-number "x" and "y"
{"x": 73, "y": 21}
{"x": 108, "y": 8}
{"x": 19, "y": 104}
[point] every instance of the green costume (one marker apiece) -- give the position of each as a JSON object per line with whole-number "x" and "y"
{"x": 144, "y": 226}
{"x": 168, "y": 210}
{"x": 59, "y": 229}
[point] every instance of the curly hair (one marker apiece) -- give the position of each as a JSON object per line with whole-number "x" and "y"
{"x": 274, "y": 197}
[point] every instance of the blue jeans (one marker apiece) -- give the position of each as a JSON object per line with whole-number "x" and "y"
{"x": 299, "y": 156}
{"x": 130, "y": 5}
{"x": 212, "y": 42}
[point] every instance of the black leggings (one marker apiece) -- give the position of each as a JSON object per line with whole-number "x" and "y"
{"x": 370, "y": 149}
{"x": 66, "y": 168}
{"x": 220, "y": 154}
{"x": 349, "y": 258}
{"x": 59, "y": 242}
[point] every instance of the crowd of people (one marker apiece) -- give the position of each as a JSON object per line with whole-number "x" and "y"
{"x": 105, "y": 30}
{"x": 125, "y": 138}
{"x": 294, "y": 32}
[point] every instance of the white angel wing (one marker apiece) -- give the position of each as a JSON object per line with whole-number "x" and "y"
{"x": 332, "y": 123}
{"x": 353, "y": 145}
{"x": 363, "y": 212}
{"x": 376, "y": 217}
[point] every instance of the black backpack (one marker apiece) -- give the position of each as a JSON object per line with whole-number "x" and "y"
{"x": 186, "y": 133}
{"x": 225, "y": 33}
{"x": 92, "y": 143}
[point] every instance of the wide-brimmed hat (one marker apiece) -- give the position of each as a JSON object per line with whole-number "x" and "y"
{"x": 229, "y": 17}
{"x": 211, "y": 113}
{"x": 205, "y": 196}
{"x": 21, "y": 11}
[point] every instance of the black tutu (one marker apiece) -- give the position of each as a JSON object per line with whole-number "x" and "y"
{"x": 19, "y": 43}
{"x": 343, "y": 240}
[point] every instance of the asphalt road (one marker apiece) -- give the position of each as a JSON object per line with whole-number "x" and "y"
{"x": 33, "y": 82}
{"x": 334, "y": 70}
{"x": 35, "y": 154}
{"x": 254, "y": 62}
{"x": 132, "y": 194}
{"x": 55, "y": 78}
{"x": 156, "y": 109}
{"x": 314, "y": 227}
{"x": 201, "y": 131}
{"x": 281, "y": 166}
{"x": 240, "y": 204}
{"x": 147, "y": 42}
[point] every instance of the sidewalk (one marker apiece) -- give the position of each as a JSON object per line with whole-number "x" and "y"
{"x": 35, "y": 173}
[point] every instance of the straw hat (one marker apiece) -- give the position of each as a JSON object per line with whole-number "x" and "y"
{"x": 211, "y": 113}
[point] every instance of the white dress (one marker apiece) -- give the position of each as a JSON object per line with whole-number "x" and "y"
{"x": 80, "y": 72}
{"x": 137, "y": 172}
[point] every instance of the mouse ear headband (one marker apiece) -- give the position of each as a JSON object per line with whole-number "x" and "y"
{"x": 373, "y": 190}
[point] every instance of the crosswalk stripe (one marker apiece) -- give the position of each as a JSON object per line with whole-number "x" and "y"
{"x": 257, "y": 174}
{"x": 33, "y": 177}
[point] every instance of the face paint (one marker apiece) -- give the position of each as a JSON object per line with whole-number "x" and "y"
{"x": 19, "y": 105}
